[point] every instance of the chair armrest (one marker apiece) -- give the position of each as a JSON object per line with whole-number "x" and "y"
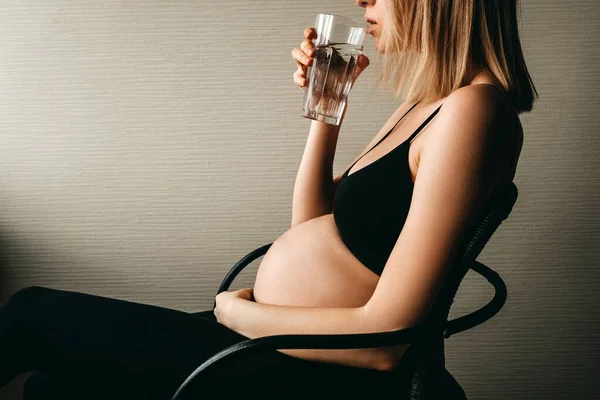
{"x": 484, "y": 313}
{"x": 239, "y": 266}
{"x": 347, "y": 341}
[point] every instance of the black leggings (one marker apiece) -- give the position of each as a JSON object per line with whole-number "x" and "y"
{"x": 83, "y": 346}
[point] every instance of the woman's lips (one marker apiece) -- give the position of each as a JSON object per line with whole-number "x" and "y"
{"x": 370, "y": 28}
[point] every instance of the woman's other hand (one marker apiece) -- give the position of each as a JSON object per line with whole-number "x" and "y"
{"x": 224, "y": 301}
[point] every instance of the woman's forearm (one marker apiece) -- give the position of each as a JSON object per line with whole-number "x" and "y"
{"x": 314, "y": 188}
{"x": 255, "y": 320}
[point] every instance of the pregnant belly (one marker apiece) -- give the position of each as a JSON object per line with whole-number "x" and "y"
{"x": 310, "y": 266}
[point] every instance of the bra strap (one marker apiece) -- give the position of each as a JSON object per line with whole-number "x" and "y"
{"x": 415, "y": 133}
{"x": 393, "y": 127}
{"x": 380, "y": 140}
{"x": 387, "y": 134}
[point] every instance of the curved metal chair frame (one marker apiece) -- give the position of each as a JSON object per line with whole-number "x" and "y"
{"x": 428, "y": 337}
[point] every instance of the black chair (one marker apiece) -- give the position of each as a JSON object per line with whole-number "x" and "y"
{"x": 423, "y": 374}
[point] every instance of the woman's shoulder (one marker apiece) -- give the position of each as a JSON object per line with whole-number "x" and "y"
{"x": 483, "y": 107}
{"x": 489, "y": 122}
{"x": 478, "y": 119}
{"x": 484, "y": 100}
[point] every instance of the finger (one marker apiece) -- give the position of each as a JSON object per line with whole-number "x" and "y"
{"x": 310, "y": 33}
{"x": 308, "y": 47}
{"x": 301, "y": 67}
{"x": 301, "y": 56}
{"x": 300, "y": 79}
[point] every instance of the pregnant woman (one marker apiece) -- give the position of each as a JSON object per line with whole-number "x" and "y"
{"x": 367, "y": 250}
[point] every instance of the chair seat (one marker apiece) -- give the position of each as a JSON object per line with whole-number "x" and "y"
{"x": 444, "y": 387}
{"x": 321, "y": 383}
{"x": 452, "y": 389}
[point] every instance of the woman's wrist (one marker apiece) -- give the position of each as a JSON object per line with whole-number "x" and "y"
{"x": 321, "y": 128}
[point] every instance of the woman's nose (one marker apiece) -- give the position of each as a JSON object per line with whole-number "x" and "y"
{"x": 363, "y": 3}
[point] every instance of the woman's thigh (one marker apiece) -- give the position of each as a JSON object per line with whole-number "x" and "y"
{"x": 114, "y": 347}
{"x": 92, "y": 347}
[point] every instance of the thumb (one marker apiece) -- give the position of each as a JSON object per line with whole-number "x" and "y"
{"x": 362, "y": 62}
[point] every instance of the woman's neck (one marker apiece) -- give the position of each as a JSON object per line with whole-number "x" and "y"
{"x": 478, "y": 73}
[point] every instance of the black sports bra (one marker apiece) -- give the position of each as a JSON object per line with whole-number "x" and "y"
{"x": 371, "y": 204}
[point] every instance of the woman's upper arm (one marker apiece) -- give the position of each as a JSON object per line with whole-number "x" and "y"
{"x": 458, "y": 170}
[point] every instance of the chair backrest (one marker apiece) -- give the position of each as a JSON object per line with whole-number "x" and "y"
{"x": 497, "y": 210}
{"x": 425, "y": 361}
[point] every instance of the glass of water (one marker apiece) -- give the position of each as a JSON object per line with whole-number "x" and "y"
{"x": 338, "y": 44}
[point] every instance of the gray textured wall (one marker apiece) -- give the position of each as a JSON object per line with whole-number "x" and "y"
{"x": 146, "y": 146}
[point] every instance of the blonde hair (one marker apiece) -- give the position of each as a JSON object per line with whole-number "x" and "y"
{"x": 429, "y": 44}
